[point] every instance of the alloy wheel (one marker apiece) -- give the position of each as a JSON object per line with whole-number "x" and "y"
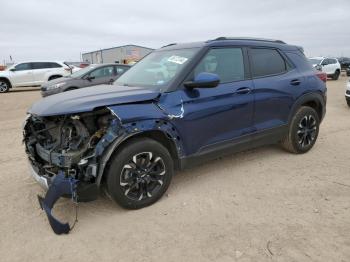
{"x": 143, "y": 176}
{"x": 307, "y": 130}
{"x": 3, "y": 87}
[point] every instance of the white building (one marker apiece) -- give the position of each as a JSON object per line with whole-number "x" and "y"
{"x": 121, "y": 54}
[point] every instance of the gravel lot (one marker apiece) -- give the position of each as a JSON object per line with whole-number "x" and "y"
{"x": 260, "y": 205}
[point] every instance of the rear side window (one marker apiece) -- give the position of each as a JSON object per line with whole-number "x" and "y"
{"x": 333, "y": 61}
{"x": 54, "y": 65}
{"x": 266, "y": 62}
{"x": 45, "y": 65}
{"x": 227, "y": 63}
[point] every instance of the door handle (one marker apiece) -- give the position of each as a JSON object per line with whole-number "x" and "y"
{"x": 243, "y": 90}
{"x": 295, "y": 82}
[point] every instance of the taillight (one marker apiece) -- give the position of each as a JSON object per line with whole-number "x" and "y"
{"x": 67, "y": 69}
{"x": 322, "y": 76}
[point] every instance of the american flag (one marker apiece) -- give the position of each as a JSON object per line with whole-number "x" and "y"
{"x": 133, "y": 54}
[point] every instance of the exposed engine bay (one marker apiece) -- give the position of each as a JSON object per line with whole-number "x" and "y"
{"x": 66, "y": 143}
{"x": 62, "y": 152}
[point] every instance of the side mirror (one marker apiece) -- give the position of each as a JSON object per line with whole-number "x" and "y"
{"x": 318, "y": 67}
{"x": 203, "y": 80}
{"x": 324, "y": 63}
{"x": 89, "y": 78}
{"x": 13, "y": 69}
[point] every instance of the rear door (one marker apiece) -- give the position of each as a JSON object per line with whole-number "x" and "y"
{"x": 43, "y": 70}
{"x": 22, "y": 75}
{"x": 275, "y": 82}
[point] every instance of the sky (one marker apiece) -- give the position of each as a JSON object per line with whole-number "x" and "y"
{"x": 62, "y": 30}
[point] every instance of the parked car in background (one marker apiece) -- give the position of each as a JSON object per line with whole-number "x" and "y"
{"x": 347, "y": 93}
{"x": 344, "y": 62}
{"x": 95, "y": 74}
{"x": 29, "y": 74}
{"x": 330, "y": 66}
{"x": 348, "y": 71}
{"x": 206, "y": 100}
{"x": 74, "y": 68}
{"x": 82, "y": 65}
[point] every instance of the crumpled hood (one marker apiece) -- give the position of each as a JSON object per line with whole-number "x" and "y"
{"x": 87, "y": 99}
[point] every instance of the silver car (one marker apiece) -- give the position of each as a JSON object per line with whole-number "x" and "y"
{"x": 88, "y": 76}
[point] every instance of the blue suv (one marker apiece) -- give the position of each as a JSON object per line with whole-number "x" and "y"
{"x": 181, "y": 105}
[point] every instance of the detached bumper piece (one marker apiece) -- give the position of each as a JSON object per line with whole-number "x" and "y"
{"x": 61, "y": 185}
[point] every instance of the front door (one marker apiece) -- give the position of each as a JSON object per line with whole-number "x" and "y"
{"x": 329, "y": 66}
{"x": 22, "y": 75}
{"x": 210, "y": 118}
{"x": 101, "y": 75}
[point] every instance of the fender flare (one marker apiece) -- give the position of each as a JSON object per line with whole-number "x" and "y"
{"x": 8, "y": 80}
{"x": 306, "y": 98}
{"x": 133, "y": 129}
{"x": 49, "y": 76}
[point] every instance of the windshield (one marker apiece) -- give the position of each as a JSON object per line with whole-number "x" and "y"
{"x": 315, "y": 61}
{"x": 158, "y": 69}
{"x": 83, "y": 71}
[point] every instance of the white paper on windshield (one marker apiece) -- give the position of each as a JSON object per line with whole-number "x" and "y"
{"x": 177, "y": 59}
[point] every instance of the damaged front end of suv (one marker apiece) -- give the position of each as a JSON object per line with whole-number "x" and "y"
{"x": 69, "y": 140}
{"x": 68, "y": 148}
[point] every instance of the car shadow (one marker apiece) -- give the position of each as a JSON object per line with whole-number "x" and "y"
{"x": 24, "y": 89}
{"x": 189, "y": 176}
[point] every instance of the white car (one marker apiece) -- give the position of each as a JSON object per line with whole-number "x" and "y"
{"x": 347, "y": 93}
{"x": 330, "y": 66}
{"x": 74, "y": 68}
{"x": 27, "y": 74}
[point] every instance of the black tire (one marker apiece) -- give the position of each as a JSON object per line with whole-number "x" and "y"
{"x": 4, "y": 86}
{"x": 348, "y": 102}
{"x": 54, "y": 77}
{"x": 303, "y": 131}
{"x": 336, "y": 75}
{"x": 128, "y": 181}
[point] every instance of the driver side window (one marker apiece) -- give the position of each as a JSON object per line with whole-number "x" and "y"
{"x": 24, "y": 66}
{"x": 325, "y": 62}
{"x": 227, "y": 63}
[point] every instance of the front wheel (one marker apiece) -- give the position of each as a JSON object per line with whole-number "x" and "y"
{"x": 139, "y": 173}
{"x": 4, "y": 86}
{"x": 303, "y": 131}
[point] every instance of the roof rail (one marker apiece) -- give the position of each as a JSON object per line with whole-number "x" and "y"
{"x": 169, "y": 45}
{"x": 248, "y": 38}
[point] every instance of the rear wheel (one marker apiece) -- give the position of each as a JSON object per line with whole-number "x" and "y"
{"x": 303, "y": 131}
{"x": 336, "y": 75}
{"x": 140, "y": 173}
{"x": 4, "y": 86}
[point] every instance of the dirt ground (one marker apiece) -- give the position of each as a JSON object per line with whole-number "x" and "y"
{"x": 260, "y": 205}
